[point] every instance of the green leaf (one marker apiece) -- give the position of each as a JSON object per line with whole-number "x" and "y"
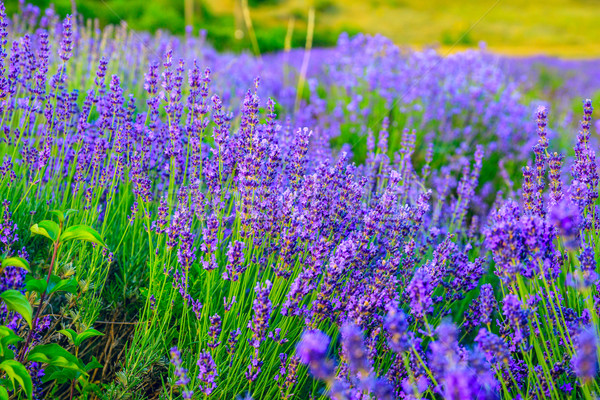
{"x": 15, "y": 262}
{"x": 60, "y": 375}
{"x": 7, "y": 338}
{"x": 62, "y": 285}
{"x": 55, "y": 284}
{"x": 53, "y": 354}
{"x": 78, "y": 338}
{"x": 82, "y": 232}
{"x": 46, "y": 228}
{"x": 91, "y": 332}
{"x": 3, "y": 393}
{"x": 93, "y": 364}
{"x": 17, "y": 372}
{"x": 16, "y": 301}
{"x": 69, "y": 212}
{"x": 7, "y": 383}
{"x": 59, "y": 215}
{"x": 36, "y": 285}
{"x": 70, "y": 333}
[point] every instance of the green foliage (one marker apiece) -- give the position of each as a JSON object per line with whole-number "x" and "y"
{"x": 60, "y": 365}
{"x": 47, "y": 228}
{"x": 254, "y": 3}
{"x": 17, "y": 374}
{"x": 77, "y": 338}
{"x": 7, "y": 338}
{"x": 17, "y": 262}
{"x": 53, "y": 285}
{"x": 62, "y": 216}
{"x": 57, "y": 284}
{"x": 81, "y": 232}
{"x": 462, "y": 38}
{"x": 54, "y": 355}
{"x": 16, "y": 301}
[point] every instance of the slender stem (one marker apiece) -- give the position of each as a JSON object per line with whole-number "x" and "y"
{"x": 72, "y": 389}
{"x": 41, "y": 305}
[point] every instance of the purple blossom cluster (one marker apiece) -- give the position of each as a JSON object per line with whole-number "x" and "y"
{"x": 268, "y": 252}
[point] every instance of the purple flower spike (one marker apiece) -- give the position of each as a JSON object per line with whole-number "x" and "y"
{"x": 396, "y": 326}
{"x": 312, "y": 351}
{"x": 585, "y": 360}
{"x": 180, "y": 372}
{"x": 354, "y": 349}
{"x": 66, "y": 45}
{"x": 207, "y": 373}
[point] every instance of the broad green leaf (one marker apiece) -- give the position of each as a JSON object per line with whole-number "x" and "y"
{"x": 3, "y": 393}
{"x": 60, "y": 375}
{"x": 55, "y": 284}
{"x": 16, "y": 301}
{"x": 53, "y": 354}
{"x": 59, "y": 215}
{"x": 70, "y": 333}
{"x": 87, "y": 386}
{"x": 82, "y": 232}
{"x": 91, "y": 332}
{"x": 69, "y": 212}
{"x": 15, "y": 262}
{"x": 78, "y": 338}
{"x": 7, "y": 338}
{"x": 62, "y": 285}
{"x": 17, "y": 372}
{"x": 7, "y": 383}
{"x": 36, "y": 285}
{"x": 46, "y": 228}
{"x": 93, "y": 365}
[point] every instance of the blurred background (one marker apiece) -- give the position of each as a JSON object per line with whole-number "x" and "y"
{"x": 565, "y": 28}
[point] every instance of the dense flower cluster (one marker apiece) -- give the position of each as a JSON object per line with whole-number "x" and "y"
{"x": 266, "y": 249}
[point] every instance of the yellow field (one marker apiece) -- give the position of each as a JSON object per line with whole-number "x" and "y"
{"x": 555, "y": 27}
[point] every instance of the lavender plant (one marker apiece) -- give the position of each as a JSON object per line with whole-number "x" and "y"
{"x": 174, "y": 227}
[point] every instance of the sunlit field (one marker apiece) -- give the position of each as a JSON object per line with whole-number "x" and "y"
{"x": 516, "y": 27}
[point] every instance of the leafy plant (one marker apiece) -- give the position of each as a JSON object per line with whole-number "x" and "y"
{"x": 61, "y": 366}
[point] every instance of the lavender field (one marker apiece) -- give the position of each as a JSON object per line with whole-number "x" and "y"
{"x": 354, "y": 222}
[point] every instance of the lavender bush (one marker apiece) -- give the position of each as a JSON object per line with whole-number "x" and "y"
{"x": 381, "y": 225}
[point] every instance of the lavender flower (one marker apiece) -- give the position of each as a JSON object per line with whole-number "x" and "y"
{"x": 396, "y": 327}
{"x": 419, "y": 291}
{"x": 495, "y": 350}
{"x": 516, "y": 317}
{"x": 296, "y": 163}
{"x": 66, "y": 45}
{"x": 585, "y": 360}
{"x": 556, "y": 190}
{"x": 231, "y": 344}
{"x": 235, "y": 257}
{"x": 207, "y": 373}
{"x": 312, "y": 351}
{"x": 487, "y": 303}
{"x": 566, "y": 217}
{"x": 287, "y": 376}
{"x": 180, "y": 373}
{"x": 354, "y": 349}
{"x": 262, "y": 312}
{"x": 214, "y": 331}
